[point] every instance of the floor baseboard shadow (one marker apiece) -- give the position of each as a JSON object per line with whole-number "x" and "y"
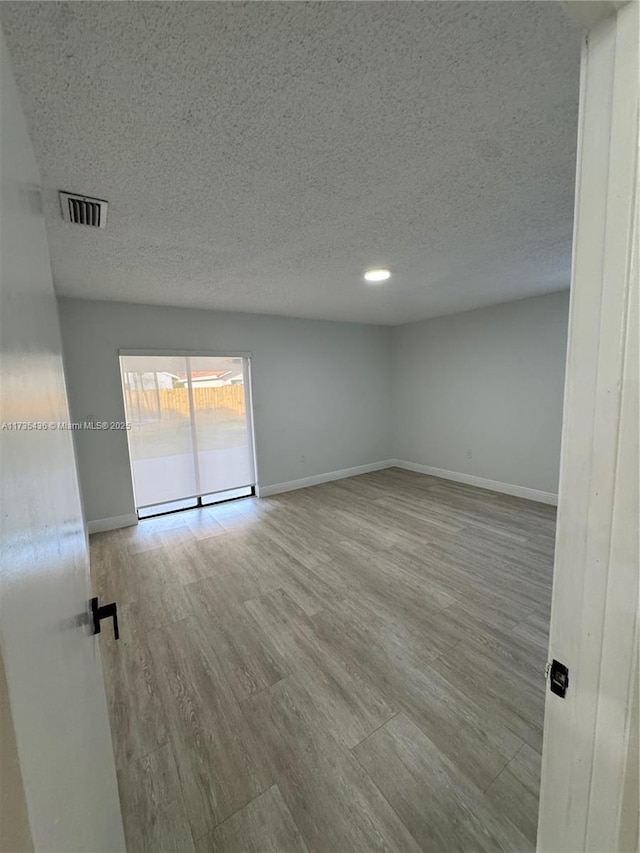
{"x": 479, "y": 482}
{"x": 103, "y": 524}
{"x": 316, "y": 479}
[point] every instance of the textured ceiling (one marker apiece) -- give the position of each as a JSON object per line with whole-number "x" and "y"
{"x": 260, "y": 156}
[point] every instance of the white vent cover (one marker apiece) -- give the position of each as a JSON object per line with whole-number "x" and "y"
{"x": 82, "y": 210}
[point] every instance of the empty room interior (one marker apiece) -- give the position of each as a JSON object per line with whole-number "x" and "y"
{"x": 302, "y": 272}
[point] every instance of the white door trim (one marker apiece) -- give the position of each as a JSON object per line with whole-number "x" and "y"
{"x": 594, "y": 617}
{"x": 188, "y": 353}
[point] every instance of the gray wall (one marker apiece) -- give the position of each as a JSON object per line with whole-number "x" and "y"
{"x": 342, "y": 395}
{"x": 320, "y": 389}
{"x": 488, "y": 383}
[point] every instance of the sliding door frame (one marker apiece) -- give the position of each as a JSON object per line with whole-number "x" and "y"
{"x": 248, "y": 400}
{"x": 192, "y": 424}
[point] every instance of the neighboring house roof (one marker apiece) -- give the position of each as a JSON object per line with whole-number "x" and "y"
{"x": 200, "y": 375}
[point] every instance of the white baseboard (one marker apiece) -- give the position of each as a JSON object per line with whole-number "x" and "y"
{"x": 102, "y": 524}
{"x": 316, "y": 479}
{"x": 480, "y": 482}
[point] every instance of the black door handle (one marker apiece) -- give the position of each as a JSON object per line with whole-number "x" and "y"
{"x": 104, "y": 612}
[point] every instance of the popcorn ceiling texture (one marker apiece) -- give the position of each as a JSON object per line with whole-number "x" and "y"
{"x": 260, "y": 156}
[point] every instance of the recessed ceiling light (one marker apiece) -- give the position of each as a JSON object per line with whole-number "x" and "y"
{"x": 377, "y": 275}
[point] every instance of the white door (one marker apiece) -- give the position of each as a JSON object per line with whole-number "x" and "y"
{"x": 589, "y": 792}
{"x": 53, "y": 672}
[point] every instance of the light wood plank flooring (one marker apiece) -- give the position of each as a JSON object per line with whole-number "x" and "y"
{"x": 357, "y": 666}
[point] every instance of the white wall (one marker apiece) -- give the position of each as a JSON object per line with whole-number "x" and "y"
{"x": 488, "y": 383}
{"x": 320, "y": 389}
{"x": 53, "y": 674}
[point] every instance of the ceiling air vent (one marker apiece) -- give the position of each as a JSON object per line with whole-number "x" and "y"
{"x": 82, "y": 210}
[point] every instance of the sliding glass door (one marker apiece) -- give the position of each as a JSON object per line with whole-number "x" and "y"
{"x": 190, "y": 439}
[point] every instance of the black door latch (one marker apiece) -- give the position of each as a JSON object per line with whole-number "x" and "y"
{"x": 558, "y": 675}
{"x": 104, "y": 612}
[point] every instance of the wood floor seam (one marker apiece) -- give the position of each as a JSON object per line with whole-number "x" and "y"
{"x": 499, "y": 774}
{"x": 233, "y": 814}
{"x": 382, "y": 725}
{"x": 382, "y": 794}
